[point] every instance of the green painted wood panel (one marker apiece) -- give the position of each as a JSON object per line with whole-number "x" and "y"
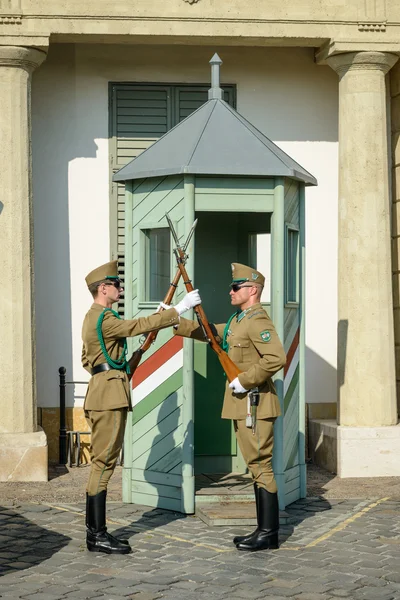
{"x": 166, "y": 491}
{"x": 234, "y": 186}
{"x": 292, "y": 321}
{"x": 164, "y": 428}
{"x": 292, "y": 202}
{"x": 156, "y": 500}
{"x": 158, "y": 448}
{"x": 292, "y": 485}
{"x": 239, "y": 203}
{"x": 234, "y": 194}
{"x": 292, "y": 398}
{"x": 157, "y": 478}
{"x": 157, "y": 396}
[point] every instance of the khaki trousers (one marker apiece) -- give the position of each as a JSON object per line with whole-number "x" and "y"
{"x": 257, "y": 451}
{"x": 108, "y": 427}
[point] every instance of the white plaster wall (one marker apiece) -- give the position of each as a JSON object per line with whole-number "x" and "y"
{"x": 281, "y": 91}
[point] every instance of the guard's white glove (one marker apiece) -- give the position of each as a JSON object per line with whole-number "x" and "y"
{"x": 164, "y": 306}
{"x": 191, "y": 300}
{"x": 237, "y": 387}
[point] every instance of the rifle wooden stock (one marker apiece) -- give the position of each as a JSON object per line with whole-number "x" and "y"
{"x": 150, "y": 337}
{"x": 227, "y": 364}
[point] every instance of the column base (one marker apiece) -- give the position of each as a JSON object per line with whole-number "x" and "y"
{"x": 368, "y": 451}
{"x": 23, "y": 456}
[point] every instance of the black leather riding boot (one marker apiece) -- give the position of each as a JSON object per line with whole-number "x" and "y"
{"x": 268, "y": 524}
{"x": 97, "y": 537}
{"x": 126, "y": 542}
{"x": 245, "y": 538}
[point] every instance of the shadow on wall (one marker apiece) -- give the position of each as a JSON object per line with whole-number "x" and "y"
{"x": 25, "y": 542}
{"x": 324, "y": 379}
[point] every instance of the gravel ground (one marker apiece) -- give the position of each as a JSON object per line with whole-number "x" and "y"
{"x": 67, "y": 485}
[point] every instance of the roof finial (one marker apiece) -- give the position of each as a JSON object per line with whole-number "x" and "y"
{"x": 215, "y": 91}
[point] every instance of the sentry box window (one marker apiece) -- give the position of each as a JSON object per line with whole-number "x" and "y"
{"x": 292, "y": 265}
{"x": 157, "y": 252}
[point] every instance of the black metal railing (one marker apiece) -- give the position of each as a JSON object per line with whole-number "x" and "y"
{"x": 63, "y": 441}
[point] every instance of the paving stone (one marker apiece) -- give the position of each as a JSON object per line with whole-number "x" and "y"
{"x": 313, "y": 596}
{"x": 354, "y": 563}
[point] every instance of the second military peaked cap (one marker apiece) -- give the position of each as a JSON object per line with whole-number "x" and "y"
{"x": 107, "y": 271}
{"x": 243, "y": 273}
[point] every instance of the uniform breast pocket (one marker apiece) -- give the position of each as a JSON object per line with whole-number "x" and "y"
{"x": 240, "y": 352}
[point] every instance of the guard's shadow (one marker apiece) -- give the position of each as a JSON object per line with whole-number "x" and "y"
{"x": 24, "y": 544}
{"x": 298, "y": 512}
{"x": 159, "y": 446}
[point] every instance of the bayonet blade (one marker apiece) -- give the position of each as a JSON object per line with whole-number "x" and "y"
{"x": 189, "y": 237}
{"x": 174, "y": 235}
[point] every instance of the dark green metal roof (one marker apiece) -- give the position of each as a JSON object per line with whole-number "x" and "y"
{"x": 214, "y": 140}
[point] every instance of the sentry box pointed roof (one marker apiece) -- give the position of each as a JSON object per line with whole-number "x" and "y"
{"x": 214, "y": 140}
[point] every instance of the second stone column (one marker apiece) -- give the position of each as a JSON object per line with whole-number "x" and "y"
{"x": 367, "y": 444}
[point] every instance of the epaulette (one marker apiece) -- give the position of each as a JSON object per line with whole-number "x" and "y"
{"x": 260, "y": 312}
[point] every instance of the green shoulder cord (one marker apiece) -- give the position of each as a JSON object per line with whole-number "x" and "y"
{"x": 121, "y": 362}
{"x": 225, "y": 345}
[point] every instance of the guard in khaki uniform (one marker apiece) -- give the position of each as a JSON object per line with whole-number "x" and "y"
{"x": 250, "y": 339}
{"x": 108, "y": 395}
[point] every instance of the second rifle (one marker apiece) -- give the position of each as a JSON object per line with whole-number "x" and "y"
{"x": 231, "y": 370}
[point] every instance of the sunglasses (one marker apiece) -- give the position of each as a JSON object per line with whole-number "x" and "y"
{"x": 116, "y": 283}
{"x": 235, "y": 287}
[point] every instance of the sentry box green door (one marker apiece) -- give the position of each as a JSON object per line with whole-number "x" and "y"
{"x": 249, "y": 198}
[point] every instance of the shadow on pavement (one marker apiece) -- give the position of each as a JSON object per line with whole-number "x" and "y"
{"x": 148, "y": 521}
{"x": 23, "y": 544}
{"x": 57, "y": 471}
{"x": 299, "y": 511}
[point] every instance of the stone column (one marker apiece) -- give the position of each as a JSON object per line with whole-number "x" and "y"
{"x": 395, "y": 113}
{"x": 368, "y": 441}
{"x": 23, "y": 446}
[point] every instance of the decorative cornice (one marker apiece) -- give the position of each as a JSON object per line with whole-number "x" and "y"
{"x": 10, "y": 19}
{"x": 369, "y": 26}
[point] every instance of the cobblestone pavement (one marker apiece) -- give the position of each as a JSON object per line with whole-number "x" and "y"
{"x": 332, "y": 549}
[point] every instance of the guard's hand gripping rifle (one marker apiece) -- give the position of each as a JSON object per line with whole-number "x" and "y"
{"x": 227, "y": 364}
{"x": 150, "y": 337}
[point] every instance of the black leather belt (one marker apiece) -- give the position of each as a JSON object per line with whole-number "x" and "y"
{"x": 100, "y": 368}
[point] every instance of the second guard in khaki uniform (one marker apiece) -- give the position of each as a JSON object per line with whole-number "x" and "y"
{"x": 250, "y": 339}
{"x": 107, "y": 399}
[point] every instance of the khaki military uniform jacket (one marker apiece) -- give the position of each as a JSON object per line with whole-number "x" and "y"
{"x": 110, "y": 389}
{"x": 254, "y": 346}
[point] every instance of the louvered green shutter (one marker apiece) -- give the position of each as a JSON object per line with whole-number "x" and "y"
{"x": 139, "y": 115}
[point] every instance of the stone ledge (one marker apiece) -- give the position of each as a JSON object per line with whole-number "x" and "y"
{"x": 368, "y": 451}
{"x": 23, "y": 456}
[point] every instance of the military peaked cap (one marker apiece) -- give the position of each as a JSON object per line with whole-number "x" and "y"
{"x": 243, "y": 273}
{"x": 107, "y": 271}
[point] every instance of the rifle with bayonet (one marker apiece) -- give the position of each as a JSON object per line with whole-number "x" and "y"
{"x": 150, "y": 337}
{"x": 227, "y": 364}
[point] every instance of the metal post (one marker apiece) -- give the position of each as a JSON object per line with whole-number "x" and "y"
{"x": 215, "y": 92}
{"x": 63, "y": 429}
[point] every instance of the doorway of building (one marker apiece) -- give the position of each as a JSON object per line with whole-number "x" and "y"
{"x": 222, "y": 238}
